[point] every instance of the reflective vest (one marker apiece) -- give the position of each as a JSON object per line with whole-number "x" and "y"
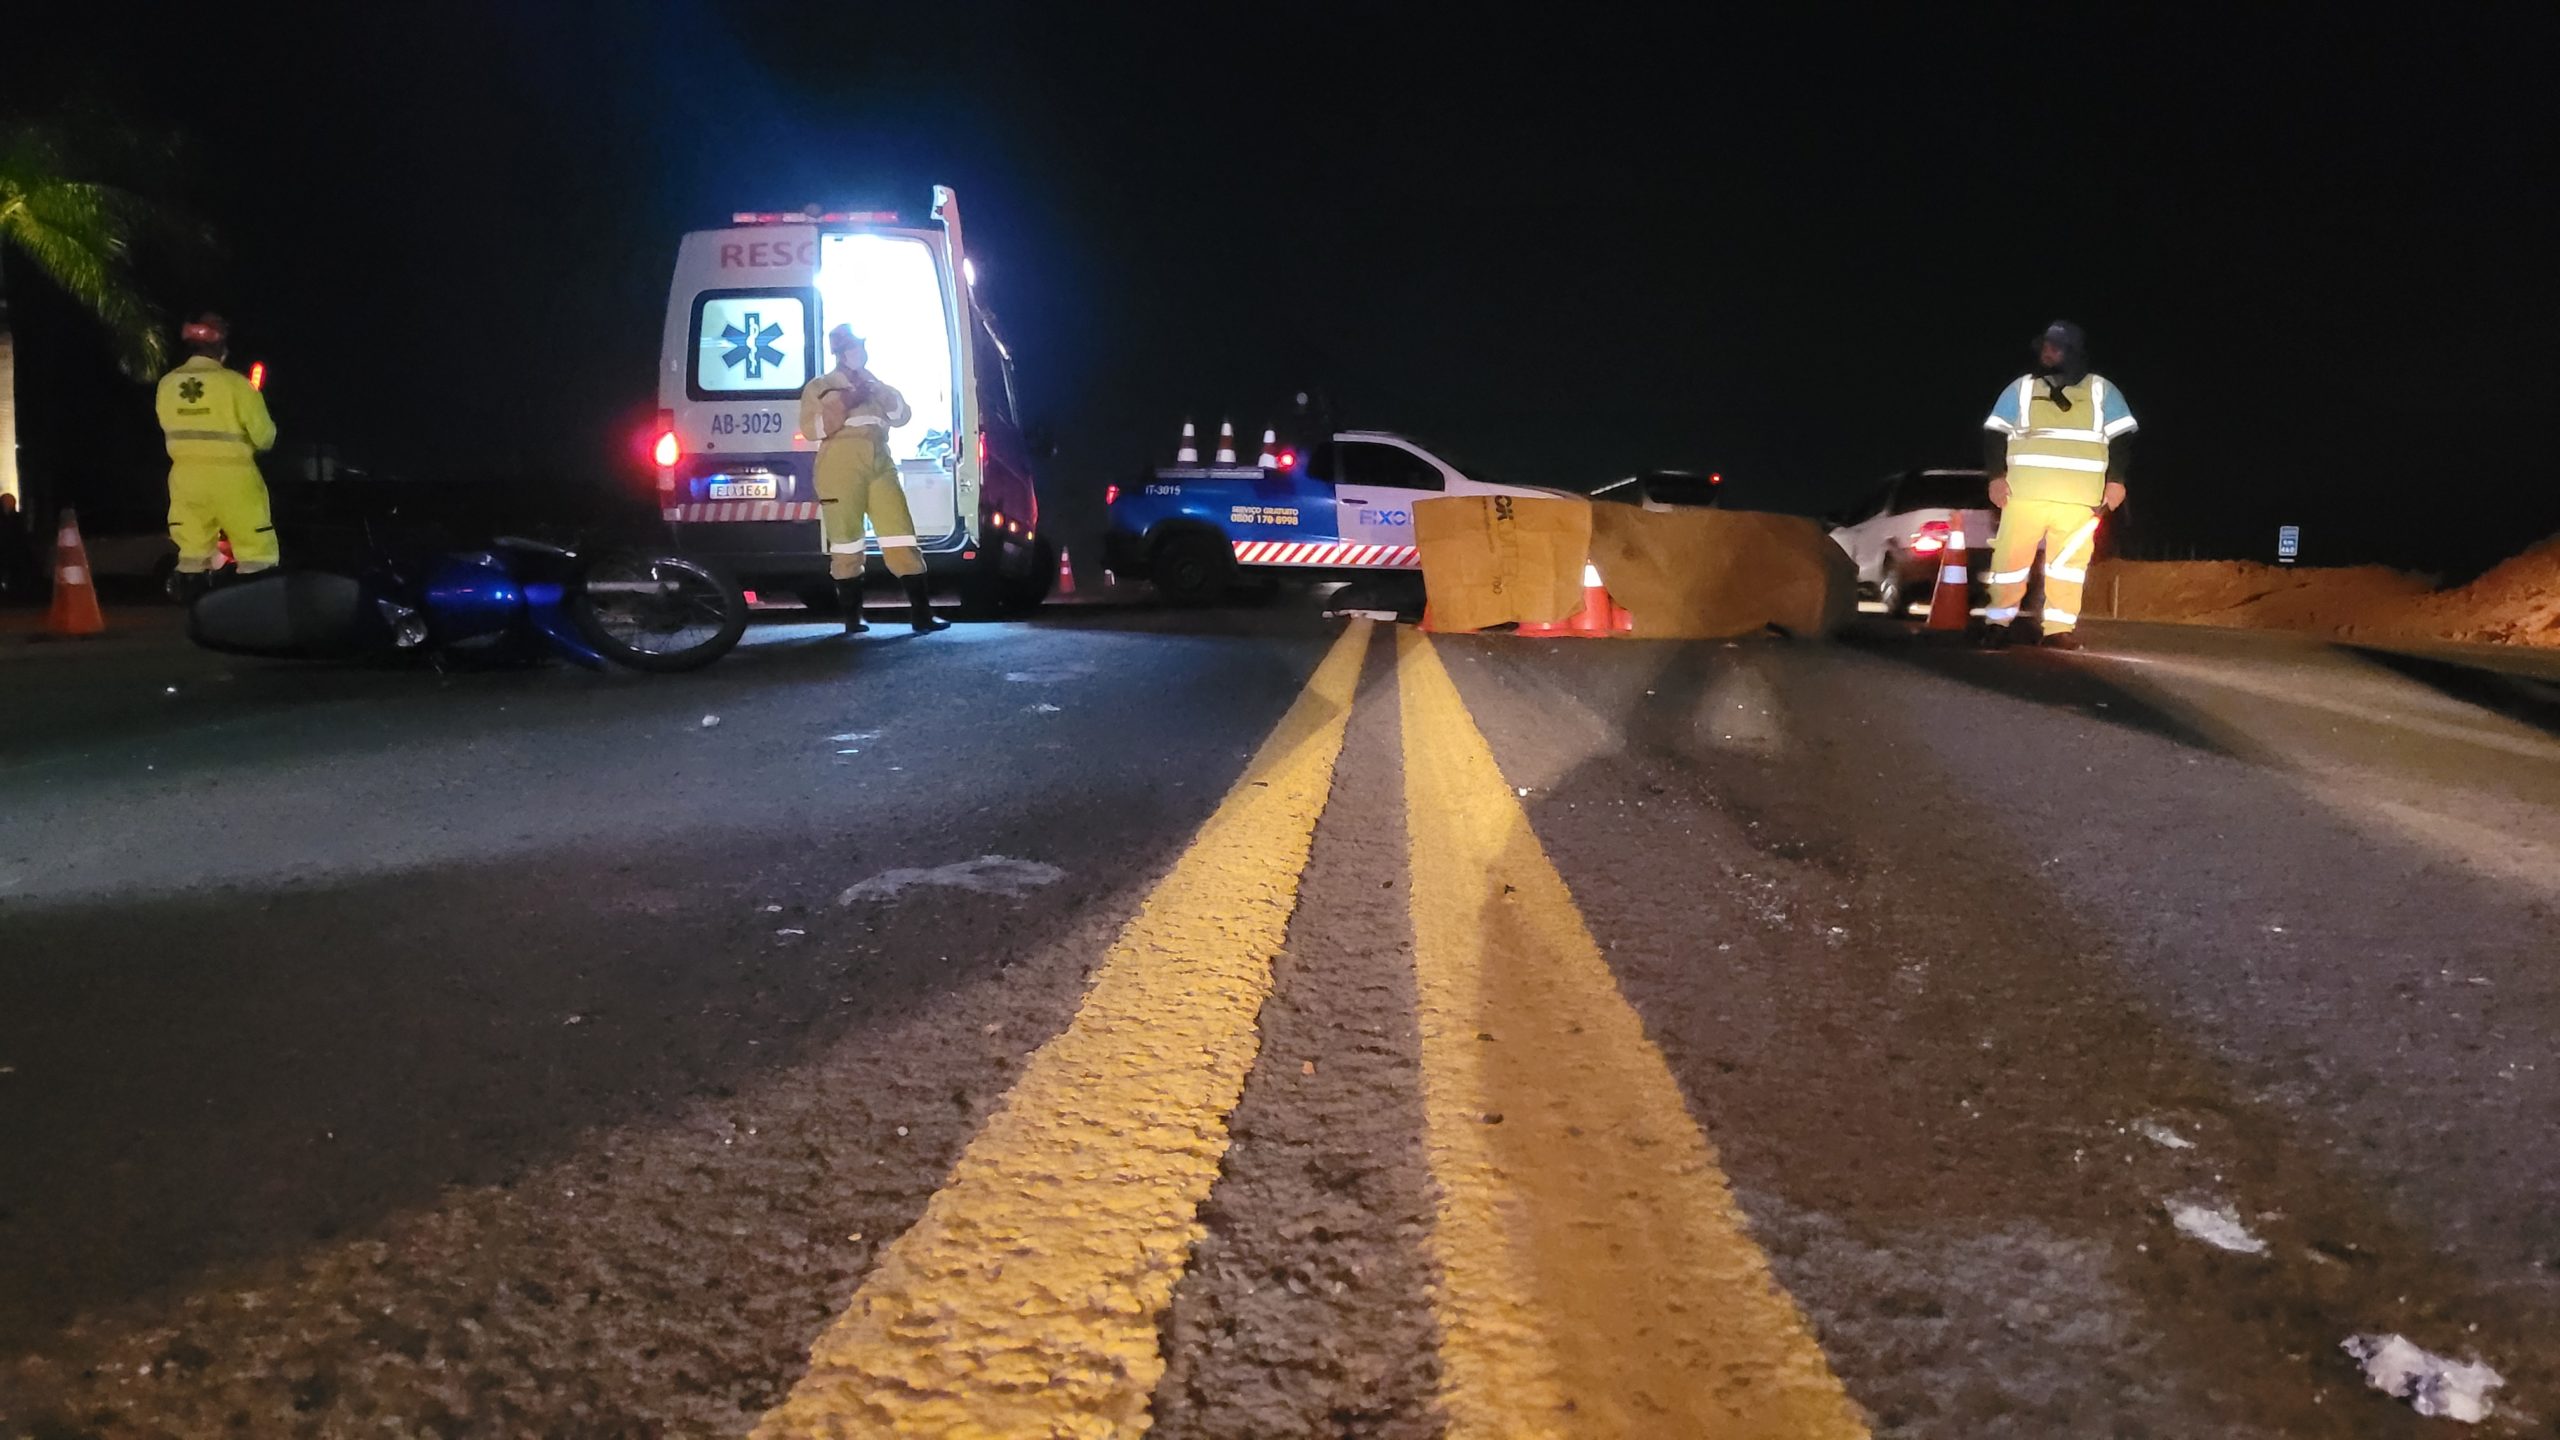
{"x": 209, "y": 416}
{"x": 2058, "y": 454}
{"x": 828, "y": 409}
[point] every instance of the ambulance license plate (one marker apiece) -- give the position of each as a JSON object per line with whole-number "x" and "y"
{"x": 742, "y": 489}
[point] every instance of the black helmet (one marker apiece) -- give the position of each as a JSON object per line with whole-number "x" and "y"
{"x": 2073, "y": 342}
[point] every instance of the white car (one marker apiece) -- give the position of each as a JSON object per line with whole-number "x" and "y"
{"x": 1899, "y": 531}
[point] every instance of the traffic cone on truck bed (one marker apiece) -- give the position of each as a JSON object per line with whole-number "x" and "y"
{"x": 1951, "y": 602}
{"x": 75, "y": 589}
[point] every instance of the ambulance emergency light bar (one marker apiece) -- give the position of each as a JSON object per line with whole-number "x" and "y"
{"x": 813, "y": 216}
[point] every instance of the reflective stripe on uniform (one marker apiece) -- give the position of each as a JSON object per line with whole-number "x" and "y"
{"x": 2055, "y": 432}
{"x": 2060, "y": 617}
{"x": 2067, "y": 574}
{"x": 2003, "y": 426}
{"x": 889, "y": 540}
{"x": 845, "y": 547}
{"x": 2009, "y": 577}
{"x": 2001, "y": 614}
{"x": 2056, "y": 462}
{"x": 859, "y": 422}
{"x": 228, "y": 437}
{"x": 2080, "y": 539}
{"x": 2118, "y": 427}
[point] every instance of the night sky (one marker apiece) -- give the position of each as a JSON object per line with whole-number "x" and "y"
{"x": 1802, "y": 245}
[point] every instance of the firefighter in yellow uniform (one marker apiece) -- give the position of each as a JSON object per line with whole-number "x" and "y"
{"x": 850, "y": 412}
{"x": 2058, "y": 446}
{"x": 215, "y": 424}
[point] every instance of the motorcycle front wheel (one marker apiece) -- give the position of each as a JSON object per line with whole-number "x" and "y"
{"x": 657, "y": 613}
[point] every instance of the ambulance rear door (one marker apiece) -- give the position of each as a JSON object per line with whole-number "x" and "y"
{"x": 743, "y": 335}
{"x": 896, "y": 288}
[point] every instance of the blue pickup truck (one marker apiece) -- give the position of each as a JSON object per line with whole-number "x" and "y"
{"x": 1343, "y": 509}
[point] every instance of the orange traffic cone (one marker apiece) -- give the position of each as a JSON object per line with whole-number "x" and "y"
{"x": 1189, "y": 454}
{"x": 1951, "y": 601}
{"x": 1598, "y": 617}
{"x": 1226, "y": 442}
{"x": 1066, "y": 572}
{"x": 1270, "y": 457}
{"x": 75, "y": 590}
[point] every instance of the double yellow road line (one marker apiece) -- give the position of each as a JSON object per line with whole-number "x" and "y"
{"x": 1596, "y": 1277}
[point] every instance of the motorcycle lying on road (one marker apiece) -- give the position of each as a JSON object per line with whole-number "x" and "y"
{"x": 509, "y": 601}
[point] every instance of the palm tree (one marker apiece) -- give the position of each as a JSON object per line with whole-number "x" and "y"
{"x": 79, "y": 233}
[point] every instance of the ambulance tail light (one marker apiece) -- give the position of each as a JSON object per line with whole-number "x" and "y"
{"x": 1288, "y": 459}
{"x": 1110, "y": 495}
{"x": 667, "y": 450}
{"x": 1931, "y": 537}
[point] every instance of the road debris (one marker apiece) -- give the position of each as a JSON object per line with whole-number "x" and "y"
{"x": 2216, "y": 1225}
{"x": 790, "y": 932}
{"x": 986, "y": 875}
{"x": 1045, "y": 708}
{"x": 2433, "y": 1385}
{"x": 710, "y": 720}
{"x": 2162, "y": 1136}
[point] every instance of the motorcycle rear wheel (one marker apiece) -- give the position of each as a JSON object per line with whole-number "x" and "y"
{"x": 658, "y": 613}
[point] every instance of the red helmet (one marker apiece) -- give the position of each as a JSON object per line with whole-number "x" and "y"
{"x": 206, "y": 329}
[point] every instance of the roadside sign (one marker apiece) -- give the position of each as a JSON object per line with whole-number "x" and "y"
{"x": 2288, "y": 544}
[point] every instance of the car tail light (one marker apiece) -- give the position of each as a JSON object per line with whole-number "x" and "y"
{"x": 982, "y": 454}
{"x": 1288, "y": 459}
{"x": 668, "y": 450}
{"x": 257, "y": 374}
{"x": 1110, "y": 494}
{"x": 1931, "y": 537}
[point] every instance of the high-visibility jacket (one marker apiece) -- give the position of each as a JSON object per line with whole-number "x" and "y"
{"x": 210, "y": 417}
{"x": 2058, "y": 453}
{"x": 829, "y": 408}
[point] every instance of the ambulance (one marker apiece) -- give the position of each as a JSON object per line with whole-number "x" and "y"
{"x": 747, "y": 318}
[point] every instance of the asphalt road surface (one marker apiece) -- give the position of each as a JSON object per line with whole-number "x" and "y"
{"x": 1239, "y": 1025}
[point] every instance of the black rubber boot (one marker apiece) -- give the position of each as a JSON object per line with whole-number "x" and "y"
{"x": 849, "y": 599}
{"x": 1993, "y": 637}
{"x": 920, "y": 598}
{"x": 188, "y": 586}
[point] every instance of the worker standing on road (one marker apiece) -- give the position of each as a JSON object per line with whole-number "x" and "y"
{"x": 2058, "y": 446}
{"x": 850, "y": 413}
{"x": 215, "y": 424}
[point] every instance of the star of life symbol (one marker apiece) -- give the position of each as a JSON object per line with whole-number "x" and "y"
{"x": 191, "y": 389}
{"x": 751, "y": 344}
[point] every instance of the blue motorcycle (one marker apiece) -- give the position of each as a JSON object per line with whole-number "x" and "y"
{"x": 510, "y": 601}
